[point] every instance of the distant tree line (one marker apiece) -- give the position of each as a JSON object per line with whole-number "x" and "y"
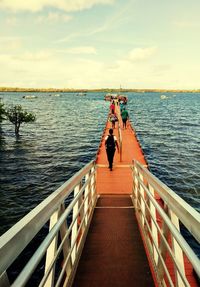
{"x": 16, "y": 115}
{"x": 106, "y": 90}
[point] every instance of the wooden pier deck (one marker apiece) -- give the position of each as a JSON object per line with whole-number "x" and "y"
{"x": 114, "y": 253}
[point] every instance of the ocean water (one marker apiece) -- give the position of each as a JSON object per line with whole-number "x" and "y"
{"x": 66, "y": 136}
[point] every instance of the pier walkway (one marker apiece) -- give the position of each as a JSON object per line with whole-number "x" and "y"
{"x": 114, "y": 253}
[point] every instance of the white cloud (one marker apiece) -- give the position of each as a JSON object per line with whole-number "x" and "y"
{"x": 53, "y": 17}
{"x": 141, "y": 54}
{"x": 109, "y": 23}
{"x": 38, "y": 5}
{"x": 187, "y": 24}
{"x": 49, "y": 71}
{"x": 81, "y": 50}
{"x": 34, "y": 57}
{"x": 10, "y": 43}
{"x": 11, "y": 21}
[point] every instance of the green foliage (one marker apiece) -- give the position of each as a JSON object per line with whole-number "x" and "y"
{"x": 2, "y": 112}
{"x": 16, "y": 115}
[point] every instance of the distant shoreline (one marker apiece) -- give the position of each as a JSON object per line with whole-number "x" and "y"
{"x": 52, "y": 90}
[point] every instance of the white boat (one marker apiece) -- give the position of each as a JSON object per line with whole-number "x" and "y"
{"x": 163, "y": 97}
{"x": 54, "y": 95}
{"x": 30, "y": 97}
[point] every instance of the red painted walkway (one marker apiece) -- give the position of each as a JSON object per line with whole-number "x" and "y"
{"x": 114, "y": 253}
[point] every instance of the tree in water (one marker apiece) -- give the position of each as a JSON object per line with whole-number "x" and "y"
{"x": 2, "y": 116}
{"x": 17, "y": 116}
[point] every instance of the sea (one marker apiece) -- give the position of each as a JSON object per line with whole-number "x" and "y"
{"x": 66, "y": 136}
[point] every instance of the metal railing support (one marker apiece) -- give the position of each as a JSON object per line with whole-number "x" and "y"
{"x": 159, "y": 223}
{"x": 51, "y": 250}
{"x": 56, "y": 209}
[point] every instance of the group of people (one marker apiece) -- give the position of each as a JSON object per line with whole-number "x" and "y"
{"x": 111, "y": 140}
{"x": 123, "y": 111}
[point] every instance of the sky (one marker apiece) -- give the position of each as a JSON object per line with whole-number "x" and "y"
{"x": 100, "y": 44}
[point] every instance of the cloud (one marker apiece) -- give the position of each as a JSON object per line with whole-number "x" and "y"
{"x": 38, "y": 5}
{"x": 11, "y": 21}
{"x": 45, "y": 70}
{"x": 53, "y": 17}
{"x": 33, "y": 57}
{"x": 108, "y": 24}
{"x": 81, "y": 50}
{"x": 10, "y": 43}
{"x": 187, "y": 24}
{"x": 141, "y": 54}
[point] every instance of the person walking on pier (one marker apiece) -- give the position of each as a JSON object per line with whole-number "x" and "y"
{"x": 125, "y": 116}
{"x": 113, "y": 119}
{"x": 111, "y": 144}
{"x": 112, "y": 107}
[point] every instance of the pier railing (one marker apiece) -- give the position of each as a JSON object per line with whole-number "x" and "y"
{"x": 65, "y": 216}
{"x": 159, "y": 212}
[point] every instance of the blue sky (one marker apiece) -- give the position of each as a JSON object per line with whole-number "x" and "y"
{"x": 100, "y": 43}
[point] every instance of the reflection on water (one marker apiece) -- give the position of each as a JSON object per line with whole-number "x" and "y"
{"x": 66, "y": 136}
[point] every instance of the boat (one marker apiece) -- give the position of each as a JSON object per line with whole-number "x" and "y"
{"x": 82, "y": 94}
{"x": 54, "y": 95}
{"x": 29, "y": 97}
{"x": 163, "y": 97}
{"x": 103, "y": 228}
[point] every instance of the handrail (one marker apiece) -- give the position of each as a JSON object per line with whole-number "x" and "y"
{"x": 161, "y": 218}
{"x": 189, "y": 216}
{"x": 176, "y": 234}
{"x": 82, "y": 186}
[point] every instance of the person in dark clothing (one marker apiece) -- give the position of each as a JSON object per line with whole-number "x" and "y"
{"x": 111, "y": 144}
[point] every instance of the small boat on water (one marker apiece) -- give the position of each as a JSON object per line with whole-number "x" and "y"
{"x": 163, "y": 97}
{"x": 30, "y": 97}
{"x": 81, "y": 94}
{"x": 54, "y": 95}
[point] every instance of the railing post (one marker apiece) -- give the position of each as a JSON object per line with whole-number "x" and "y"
{"x": 177, "y": 250}
{"x": 142, "y": 204}
{"x": 66, "y": 245}
{"x": 86, "y": 199}
{"x": 135, "y": 186}
{"x": 162, "y": 247}
{"x": 93, "y": 189}
{"x": 51, "y": 251}
{"x": 75, "y": 226}
{"x": 153, "y": 226}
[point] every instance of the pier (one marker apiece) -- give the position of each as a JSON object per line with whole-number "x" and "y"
{"x": 103, "y": 228}
{"x": 114, "y": 252}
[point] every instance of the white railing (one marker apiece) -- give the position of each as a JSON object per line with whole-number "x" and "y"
{"x": 159, "y": 212}
{"x": 68, "y": 212}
